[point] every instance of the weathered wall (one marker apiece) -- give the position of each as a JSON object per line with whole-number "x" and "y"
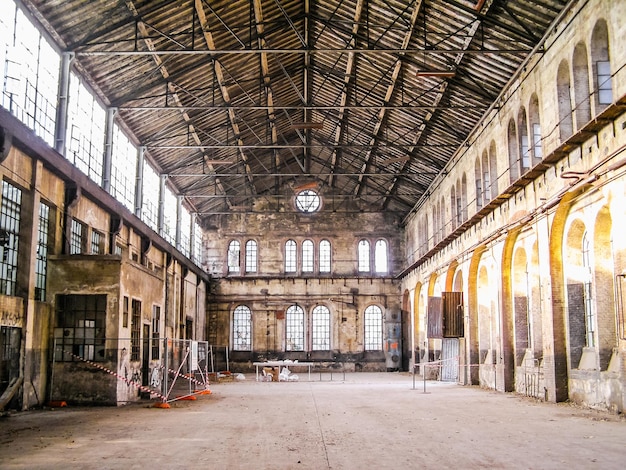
{"x": 270, "y": 291}
{"x": 523, "y": 247}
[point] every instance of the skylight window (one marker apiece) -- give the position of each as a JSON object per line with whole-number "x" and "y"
{"x": 308, "y": 201}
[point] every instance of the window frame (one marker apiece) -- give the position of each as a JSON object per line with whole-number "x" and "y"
{"x": 373, "y": 328}
{"x": 321, "y": 337}
{"x": 295, "y": 328}
{"x": 242, "y": 316}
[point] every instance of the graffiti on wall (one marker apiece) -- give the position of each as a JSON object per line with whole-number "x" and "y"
{"x": 11, "y": 318}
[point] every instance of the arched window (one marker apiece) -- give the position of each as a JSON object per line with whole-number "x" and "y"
{"x": 373, "y": 323}
{"x": 380, "y": 256}
{"x": 566, "y": 125}
{"x": 233, "y": 256}
{"x": 461, "y": 194}
{"x": 325, "y": 256}
{"x": 493, "y": 170}
{"x": 486, "y": 179}
{"x": 513, "y": 156}
{"x": 251, "y": 256}
{"x": 453, "y": 207}
{"x": 242, "y": 329}
{"x": 582, "y": 100}
{"x": 320, "y": 328}
{"x": 291, "y": 257}
{"x": 364, "y": 256}
{"x": 478, "y": 181}
{"x": 535, "y": 128}
{"x": 602, "y": 66}
{"x": 307, "y": 256}
{"x": 524, "y": 145}
{"x": 294, "y": 329}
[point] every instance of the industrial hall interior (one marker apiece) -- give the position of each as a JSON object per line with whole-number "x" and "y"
{"x": 200, "y": 186}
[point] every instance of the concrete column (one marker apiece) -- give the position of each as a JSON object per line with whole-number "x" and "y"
{"x": 161, "y": 209}
{"x": 60, "y": 131}
{"x": 108, "y": 150}
{"x": 139, "y": 181}
{"x": 179, "y": 219}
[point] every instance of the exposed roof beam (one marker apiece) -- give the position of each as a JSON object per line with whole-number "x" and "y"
{"x": 390, "y": 90}
{"x": 399, "y": 52}
{"x": 219, "y": 73}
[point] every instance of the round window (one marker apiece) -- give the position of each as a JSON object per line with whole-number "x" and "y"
{"x": 308, "y": 201}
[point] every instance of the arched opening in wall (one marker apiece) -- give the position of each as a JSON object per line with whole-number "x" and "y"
{"x": 442, "y": 217}
{"x": 423, "y": 235}
{"x": 582, "y": 101}
{"x": 419, "y": 320}
{"x": 493, "y": 170}
{"x": 453, "y": 208}
{"x": 601, "y": 65}
{"x": 478, "y": 185}
{"x": 521, "y": 305}
{"x": 535, "y": 129}
{"x": 603, "y": 270}
{"x": 566, "y": 125}
{"x": 405, "y": 328}
{"x": 486, "y": 175}
{"x": 580, "y": 317}
{"x": 486, "y": 352}
{"x": 463, "y": 199}
{"x": 524, "y": 145}
{"x": 535, "y": 291}
{"x": 513, "y": 156}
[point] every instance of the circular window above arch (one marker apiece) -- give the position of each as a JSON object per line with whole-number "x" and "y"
{"x": 308, "y": 201}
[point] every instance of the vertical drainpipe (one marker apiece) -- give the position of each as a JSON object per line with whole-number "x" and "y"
{"x": 161, "y": 212}
{"x": 60, "y": 131}
{"x": 108, "y": 150}
{"x": 139, "y": 181}
{"x": 179, "y": 217}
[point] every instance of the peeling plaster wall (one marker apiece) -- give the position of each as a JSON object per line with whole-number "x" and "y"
{"x": 270, "y": 291}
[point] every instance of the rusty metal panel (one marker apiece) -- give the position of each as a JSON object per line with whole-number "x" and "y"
{"x": 449, "y": 359}
{"x": 435, "y": 318}
{"x": 452, "y": 314}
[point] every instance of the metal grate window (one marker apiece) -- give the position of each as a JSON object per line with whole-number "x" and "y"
{"x": 291, "y": 258}
{"x": 605, "y": 88}
{"x": 150, "y": 200}
{"x": 373, "y": 328}
{"x": 251, "y": 256}
{"x": 320, "y": 328}
{"x": 325, "y": 256}
{"x": 197, "y": 247}
{"x": 85, "y": 130}
{"x": 294, "y": 329}
{"x": 364, "y": 256}
{"x": 242, "y": 329}
{"x": 76, "y": 237}
{"x": 156, "y": 331}
{"x": 135, "y": 330}
{"x": 9, "y": 237}
{"x": 96, "y": 243}
{"x": 41, "y": 262}
{"x": 307, "y": 256}
{"x": 80, "y": 328}
{"x": 123, "y": 169}
{"x": 30, "y": 72}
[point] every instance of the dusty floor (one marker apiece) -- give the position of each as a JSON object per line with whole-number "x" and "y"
{"x": 367, "y": 421}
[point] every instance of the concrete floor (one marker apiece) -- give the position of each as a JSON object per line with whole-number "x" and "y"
{"x": 367, "y": 421}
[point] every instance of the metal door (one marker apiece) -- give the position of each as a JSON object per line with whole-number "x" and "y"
{"x": 450, "y": 359}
